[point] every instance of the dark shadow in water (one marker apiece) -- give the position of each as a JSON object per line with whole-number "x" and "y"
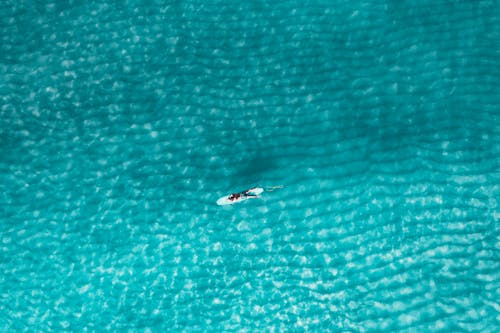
{"x": 254, "y": 168}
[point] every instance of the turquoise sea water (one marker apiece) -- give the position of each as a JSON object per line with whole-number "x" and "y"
{"x": 121, "y": 124}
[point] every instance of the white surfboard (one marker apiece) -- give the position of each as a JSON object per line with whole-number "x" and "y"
{"x": 225, "y": 200}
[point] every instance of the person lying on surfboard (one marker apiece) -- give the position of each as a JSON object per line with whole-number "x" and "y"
{"x": 252, "y": 193}
{"x": 236, "y": 196}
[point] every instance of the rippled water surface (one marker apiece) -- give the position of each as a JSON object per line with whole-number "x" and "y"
{"x": 121, "y": 124}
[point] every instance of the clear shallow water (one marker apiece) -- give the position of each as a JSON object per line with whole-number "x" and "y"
{"x": 122, "y": 124}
